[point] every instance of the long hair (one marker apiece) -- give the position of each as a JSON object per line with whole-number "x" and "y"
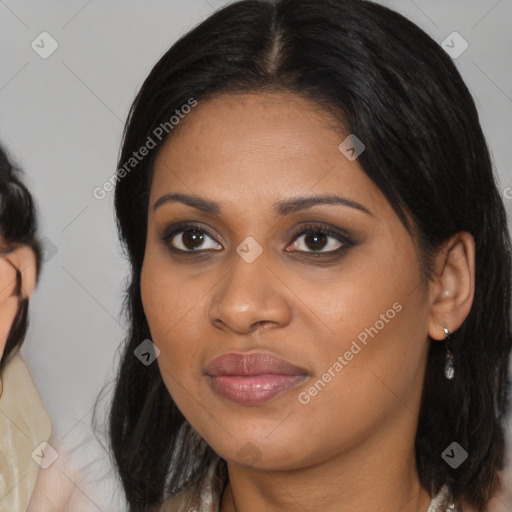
{"x": 393, "y": 86}
{"x": 18, "y": 225}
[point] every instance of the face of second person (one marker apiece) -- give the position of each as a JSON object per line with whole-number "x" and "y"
{"x": 348, "y": 308}
{"x": 21, "y": 259}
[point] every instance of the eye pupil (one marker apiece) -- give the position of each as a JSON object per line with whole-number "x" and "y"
{"x": 192, "y": 238}
{"x": 315, "y": 237}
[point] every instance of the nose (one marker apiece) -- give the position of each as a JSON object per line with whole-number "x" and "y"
{"x": 250, "y": 297}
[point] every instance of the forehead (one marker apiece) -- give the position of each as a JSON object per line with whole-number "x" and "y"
{"x": 258, "y": 148}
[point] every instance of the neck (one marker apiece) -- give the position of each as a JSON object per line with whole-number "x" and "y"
{"x": 377, "y": 474}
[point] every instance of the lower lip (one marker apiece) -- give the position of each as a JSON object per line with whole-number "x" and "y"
{"x": 254, "y": 389}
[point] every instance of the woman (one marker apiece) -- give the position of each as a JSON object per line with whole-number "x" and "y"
{"x": 320, "y": 271}
{"x": 25, "y": 426}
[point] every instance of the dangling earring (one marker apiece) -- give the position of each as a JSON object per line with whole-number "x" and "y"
{"x": 449, "y": 369}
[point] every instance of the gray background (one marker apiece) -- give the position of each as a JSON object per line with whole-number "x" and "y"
{"x": 61, "y": 118}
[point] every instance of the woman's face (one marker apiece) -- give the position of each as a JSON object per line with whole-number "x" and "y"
{"x": 22, "y": 259}
{"x": 323, "y": 335}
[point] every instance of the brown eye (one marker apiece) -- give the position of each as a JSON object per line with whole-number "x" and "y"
{"x": 316, "y": 241}
{"x": 320, "y": 240}
{"x": 190, "y": 238}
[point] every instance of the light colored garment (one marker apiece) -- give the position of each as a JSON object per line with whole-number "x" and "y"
{"x": 207, "y": 497}
{"x": 24, "y": 425}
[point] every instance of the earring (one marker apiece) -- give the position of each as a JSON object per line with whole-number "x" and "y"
{"x": 449, "y": 369}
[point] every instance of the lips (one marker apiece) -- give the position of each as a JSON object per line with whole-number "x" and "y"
{"x": 252, "y": 378}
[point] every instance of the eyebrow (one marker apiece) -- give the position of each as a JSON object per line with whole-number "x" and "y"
{"x": 282, "y": 208}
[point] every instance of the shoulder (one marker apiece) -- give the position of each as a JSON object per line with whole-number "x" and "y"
{"x": 203, "y": 495}
{"x": 183, "y": 501}
{"x": 22, "y": 402}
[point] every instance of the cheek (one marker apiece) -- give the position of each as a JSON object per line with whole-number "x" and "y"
{"x": 168, "y": 299}
{"x": 375, "y": 347}
{"x": 173, "y": 309}
{"x": 8, "y": 310}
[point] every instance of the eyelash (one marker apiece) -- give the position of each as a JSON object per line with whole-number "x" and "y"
{"x": 169, "y": 233}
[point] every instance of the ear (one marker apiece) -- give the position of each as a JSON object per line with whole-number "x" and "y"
{"x": 452, "y": 286}
{"x": 21, "y": 259}
{"x": 24, "y": 260}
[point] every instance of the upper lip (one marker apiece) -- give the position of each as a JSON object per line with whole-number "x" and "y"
{"x": 253, "y": 363}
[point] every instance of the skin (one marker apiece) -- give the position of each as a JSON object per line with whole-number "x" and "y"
{"x": 352, "y": 446}
{"x": 24, "y": 260}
